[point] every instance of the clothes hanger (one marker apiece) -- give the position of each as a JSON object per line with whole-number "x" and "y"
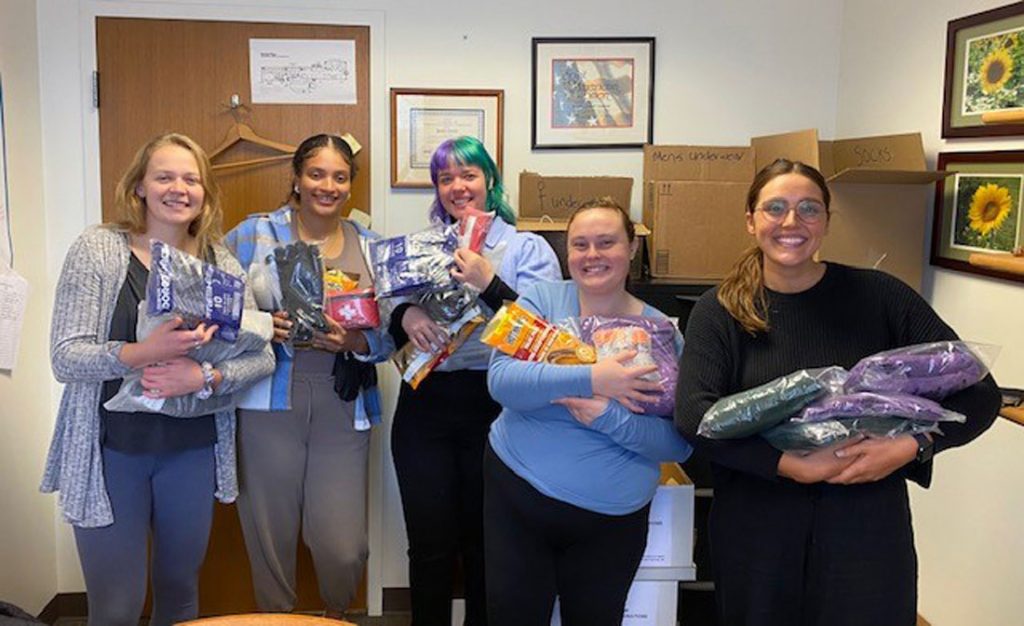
{"x": 240, "y": 132}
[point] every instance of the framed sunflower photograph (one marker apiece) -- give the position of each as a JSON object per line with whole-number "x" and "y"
{"x": 978, "y": 210}
{"x": 984, "y": 81}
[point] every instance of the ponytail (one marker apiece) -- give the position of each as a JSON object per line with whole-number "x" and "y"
{"x": 742, "y": 292}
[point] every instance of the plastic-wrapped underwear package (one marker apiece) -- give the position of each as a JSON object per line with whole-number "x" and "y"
{"x": 415, "y": 364}
{"x": 448, "y": 306}
{"x": 750, "y": 412}
{"x": 183, "y": 285}
{"x": 473, "y": 228}
{"x": 526, "y": 336}
{"x": 931, "y": 370}
{"x": 808, "y": 436}
{"x": 654, "y": 343}
{"x": 414, "y": 263}
{"x": 347, "y": 304}
{"x": 257, "y": 328}
{"x": 869, "y": 404}
{"x": 301, "y": 272}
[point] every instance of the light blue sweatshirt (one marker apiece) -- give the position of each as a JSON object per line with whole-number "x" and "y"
{"x": 611, "y": 466}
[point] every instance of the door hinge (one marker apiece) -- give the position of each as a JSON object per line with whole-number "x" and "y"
{"x": 95, "y": 90}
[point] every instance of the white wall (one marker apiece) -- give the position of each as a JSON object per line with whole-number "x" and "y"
{"x": 970, "y": 548}
{"x": 28, "y": 564}
{"x": 724, "y": 71}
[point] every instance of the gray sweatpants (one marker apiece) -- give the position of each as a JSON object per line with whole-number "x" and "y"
{"x": 309, "y": 466}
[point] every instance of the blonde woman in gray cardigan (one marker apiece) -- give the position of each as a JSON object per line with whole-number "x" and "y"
{"x": 125, "y": 476}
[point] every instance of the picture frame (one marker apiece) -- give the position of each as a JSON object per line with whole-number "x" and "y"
{"x": 423, "y": 118}
{"x": 978, "y": 209}
{"x": 592, "y": 92}
{"x": 984, "y": 73}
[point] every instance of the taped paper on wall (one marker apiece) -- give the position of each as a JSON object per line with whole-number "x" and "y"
{"x": 13, "y": 300}
{"x": 302, "y": 71}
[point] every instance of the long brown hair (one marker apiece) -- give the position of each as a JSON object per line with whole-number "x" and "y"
{"x": 131, "y": 209}
{"x": 742, "y": 291}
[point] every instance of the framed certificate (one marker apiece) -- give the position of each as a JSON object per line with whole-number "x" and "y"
{"x": 422, "y": 118}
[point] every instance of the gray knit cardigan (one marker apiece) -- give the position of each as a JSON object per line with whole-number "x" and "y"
{"x": 83, "y": 357}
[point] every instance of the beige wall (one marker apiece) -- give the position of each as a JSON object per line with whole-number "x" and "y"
{"x": 28, "y": 561}
{"x": 967, "y": 525}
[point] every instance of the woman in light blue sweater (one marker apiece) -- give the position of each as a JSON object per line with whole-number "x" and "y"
{"x": 571, "y": 468}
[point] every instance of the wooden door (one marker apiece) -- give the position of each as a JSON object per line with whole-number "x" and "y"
{"x": 179, "y": 75}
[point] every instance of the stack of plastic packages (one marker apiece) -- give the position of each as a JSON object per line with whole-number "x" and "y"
{"x": 417, "y": 267}
{"x": 180, "y": 285}
{"x": 524, "y": 335}
{"x": 652, "y": 339}
{"x": 888, "y": 394}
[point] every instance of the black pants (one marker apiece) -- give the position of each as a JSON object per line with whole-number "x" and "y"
{"x": 437, "y": 441}
{"x": 539, "y": 547}
{"x": 787, "y": 554}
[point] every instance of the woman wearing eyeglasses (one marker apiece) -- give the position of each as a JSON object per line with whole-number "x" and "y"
{"x": 824, "y": 538}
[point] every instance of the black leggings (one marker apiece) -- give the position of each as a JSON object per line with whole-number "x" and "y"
{"x": 538, "y": 547}
{"x": 437, "y": 441}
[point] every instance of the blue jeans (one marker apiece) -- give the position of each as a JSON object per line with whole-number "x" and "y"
{"x": 170, "y": 494}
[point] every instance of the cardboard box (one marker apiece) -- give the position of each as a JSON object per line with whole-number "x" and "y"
{"x": 668, "y": 559}
{"x": 881, "y": 195}
{"x": 546, "y": 202}
{"x": 695, "y": 196}
{"x": 554, "y": 198}
{"x": 693, "y": 204}
{"x": 670, "y": 530}
{"x": 648, "y": 603}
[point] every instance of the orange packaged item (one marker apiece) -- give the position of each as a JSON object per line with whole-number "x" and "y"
{"x": 526, "y": 336}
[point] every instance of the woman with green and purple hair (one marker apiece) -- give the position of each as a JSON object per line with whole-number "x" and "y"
{"x": 440, "y": 429}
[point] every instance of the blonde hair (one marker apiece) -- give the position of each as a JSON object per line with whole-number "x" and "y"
{"x": 742, "y": 290}
{"x": 131, "y": 209}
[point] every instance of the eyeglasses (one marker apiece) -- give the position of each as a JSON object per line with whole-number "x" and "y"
{"x": 807, "y": 211}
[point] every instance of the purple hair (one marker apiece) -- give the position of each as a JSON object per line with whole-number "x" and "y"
{"x": 468, "y": 151}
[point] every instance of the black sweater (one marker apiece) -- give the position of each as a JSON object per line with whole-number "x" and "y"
{"x": 849, "y": 314}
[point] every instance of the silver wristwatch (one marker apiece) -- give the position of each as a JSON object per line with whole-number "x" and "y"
{"x": 207, "y": 389}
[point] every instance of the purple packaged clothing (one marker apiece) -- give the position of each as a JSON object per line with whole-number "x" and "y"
{"x": 181, "y": 284}
{"x": 654, "y": 342}
{"x": 869, "y": 404}
{"x": 931, "y": 370}
{"x": 415, "y": 263}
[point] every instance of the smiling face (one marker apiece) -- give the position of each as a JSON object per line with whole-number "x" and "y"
{"x": 461, "y": 187}
{"x": 789, "y": 243}
{"x": 171, "y": 189}
{"x": 325, "y": 183}
{"x": 599, "y": 251}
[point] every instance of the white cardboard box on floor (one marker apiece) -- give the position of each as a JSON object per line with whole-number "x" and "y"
{"x": 649, "y": 603}
{"x": 668, "y": 559}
